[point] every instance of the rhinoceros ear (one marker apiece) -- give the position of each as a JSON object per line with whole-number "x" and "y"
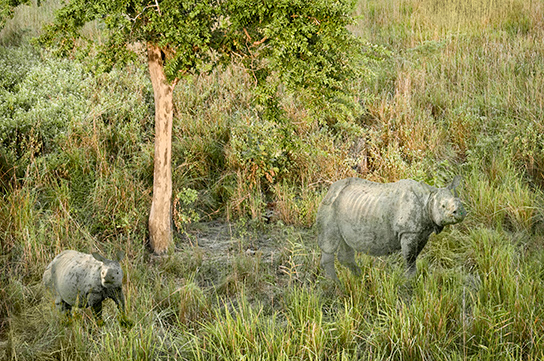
{"x": 98, "y": 257}
{"x": 454, "y": 184}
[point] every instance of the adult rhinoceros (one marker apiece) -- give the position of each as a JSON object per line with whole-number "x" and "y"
{"x": 379, "y": 219}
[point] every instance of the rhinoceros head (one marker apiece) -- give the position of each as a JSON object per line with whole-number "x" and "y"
{"x": 111, "y": 277}
{"x": 111, "y": 274}
{"x": 445, "y": 206}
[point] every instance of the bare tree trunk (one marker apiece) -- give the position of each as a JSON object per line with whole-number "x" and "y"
{"x": 160, "y": 216}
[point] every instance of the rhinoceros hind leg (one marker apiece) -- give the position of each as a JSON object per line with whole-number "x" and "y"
{"x": 346, "y": 256}
{"x": 327, "y": 264}
{"x": 328, "y": 236}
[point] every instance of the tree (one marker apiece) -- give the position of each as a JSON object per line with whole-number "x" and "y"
{"x": 304, "y": 46}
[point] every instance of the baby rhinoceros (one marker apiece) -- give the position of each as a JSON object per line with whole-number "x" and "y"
{"x": 84, "y": 280}
{"x": 379, "y": 219}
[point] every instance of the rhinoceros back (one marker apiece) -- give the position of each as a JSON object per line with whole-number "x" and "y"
{"x": 335, "y": 190}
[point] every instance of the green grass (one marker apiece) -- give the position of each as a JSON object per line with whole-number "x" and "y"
{"x": 460, "y": 92}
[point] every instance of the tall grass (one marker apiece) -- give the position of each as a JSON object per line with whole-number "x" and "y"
{"x": 460, "y": 92}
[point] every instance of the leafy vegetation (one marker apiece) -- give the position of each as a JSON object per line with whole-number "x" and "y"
{"x": 457, "y": 91}
{"x": 307, "y": 51}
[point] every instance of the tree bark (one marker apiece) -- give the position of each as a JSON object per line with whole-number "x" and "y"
{"x": 160, "y": 216}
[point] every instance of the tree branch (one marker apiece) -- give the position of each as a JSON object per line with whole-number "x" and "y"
{"x": 255, "y": 43}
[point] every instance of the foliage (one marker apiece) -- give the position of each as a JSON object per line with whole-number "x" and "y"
{"x": 184, "y": 212}
{"x": 287, "y": 47}
{"x": 37, "y": 102}
{"x": 308, "y": 47}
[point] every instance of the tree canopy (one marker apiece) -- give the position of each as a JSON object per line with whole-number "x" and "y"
{"x": 306, "y": 45}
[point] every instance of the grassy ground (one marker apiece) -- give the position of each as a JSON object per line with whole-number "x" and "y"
{"x": 460, "y": 91}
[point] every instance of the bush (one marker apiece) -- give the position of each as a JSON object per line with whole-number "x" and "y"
{"x": 38, "y": 102}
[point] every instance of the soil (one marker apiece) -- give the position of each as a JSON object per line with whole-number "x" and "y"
{"x": 222, "y": 240}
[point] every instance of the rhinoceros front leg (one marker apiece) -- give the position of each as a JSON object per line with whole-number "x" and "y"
{"x": 346, "y": 256}
{"x": 410, "y": 250}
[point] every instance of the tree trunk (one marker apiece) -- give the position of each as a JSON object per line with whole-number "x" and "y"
{"x": 160, "y": 216}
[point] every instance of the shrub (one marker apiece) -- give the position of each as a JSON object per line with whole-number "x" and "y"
{"x": 39, "y": 101}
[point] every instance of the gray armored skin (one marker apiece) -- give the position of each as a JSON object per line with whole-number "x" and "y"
{"x": 84, "y": 280}
{"x": 380, "y": 219}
